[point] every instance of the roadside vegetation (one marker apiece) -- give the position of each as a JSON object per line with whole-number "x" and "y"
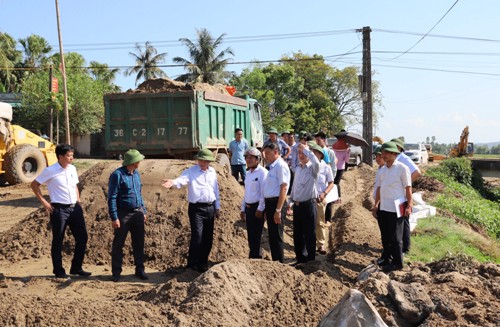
{"x": 465, "y": 201}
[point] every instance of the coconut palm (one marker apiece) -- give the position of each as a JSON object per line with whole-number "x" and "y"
{"x": 146, "y": 63}
{"x": 35, "y": 50}
{"x": 205, "y": 65}
{"x": 102, "y": 72}
{"x": 9, "y": 59}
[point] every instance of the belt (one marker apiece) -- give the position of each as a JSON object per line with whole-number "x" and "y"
{"x": 249, "y": 205}
{"x": 202, "y": 204}
{"x": 272, "y": 198}
{"x": 130, "y": 209}
{"x": 297, "y": 203}
{"x": 62, "y": 205}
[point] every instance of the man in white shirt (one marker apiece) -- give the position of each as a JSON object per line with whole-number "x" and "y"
{"x": 252, "y": 206}
{"x": 394, "y": 184}
{"x": 275, "y": 189}
{"x": 204, "y": 205}
{"x": 332, "y": 161}
{"x": 324, "y": 185}
{"x": 304, "y": 195}
{"x": 65, "y": 210}
{"x": 415, "y": 174}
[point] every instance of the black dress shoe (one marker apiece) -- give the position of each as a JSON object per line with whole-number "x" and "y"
{"x": 383, "y": 262}
{"x": 142, "y": 275}
{"x": 81, "y": 272}
{"x": 115, "y": 278}
{"x": 63, "y": 276}
{"x": 391, "y": 267}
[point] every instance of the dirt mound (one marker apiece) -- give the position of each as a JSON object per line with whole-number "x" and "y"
{"x": 464, "y": 292}
{"x": 429, "y": 184}
{"x": 166, "y": 85}
{"x": 233, "y": 293}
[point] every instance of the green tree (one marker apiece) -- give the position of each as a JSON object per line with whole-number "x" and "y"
{"x": 147, "y": 62}
{"x": 204, "y": 63}
{"x": 102, "y": 72}
{"x": 35, "y": 49}
{"x": 481, "y": 149}
{"x": 10, "y": 58}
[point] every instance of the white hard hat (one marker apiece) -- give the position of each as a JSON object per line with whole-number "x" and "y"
{"x": 253, "y": 152}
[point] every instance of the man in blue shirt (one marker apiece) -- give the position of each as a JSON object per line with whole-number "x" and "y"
{"x": 237, "y": 149}
{"x": 128, "y": 213}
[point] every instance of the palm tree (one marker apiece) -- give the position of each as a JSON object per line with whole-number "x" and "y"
{"x": 9, "y": 59}
{"x": 35, "y": 49}
{"x": 146, "y": 63}
{"x": 102, "y": 72}
{"x": 204, "y": 64}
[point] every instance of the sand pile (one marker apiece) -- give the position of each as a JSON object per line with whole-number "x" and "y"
{"x": 166, "y": 85}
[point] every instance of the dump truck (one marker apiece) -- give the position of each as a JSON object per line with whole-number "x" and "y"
{"x": 23, "y": 154}
{"x": 178, "y": 124}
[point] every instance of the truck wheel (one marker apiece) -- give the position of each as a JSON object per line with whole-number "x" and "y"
{"x": 223, "y": 160}
{"x": 23, "y": 163}
{"x": 3, "y": 181}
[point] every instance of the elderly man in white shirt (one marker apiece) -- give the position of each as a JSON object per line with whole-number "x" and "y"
{"x": 394, "y": 185}
{"x": 252, "y": 206}
{"x": 204, "y": 206}
{"x": 304, "y": 195}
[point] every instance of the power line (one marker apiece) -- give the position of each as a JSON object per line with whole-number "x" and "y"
{"x": 446, "y": 13}
{"x": 463, "y": 38}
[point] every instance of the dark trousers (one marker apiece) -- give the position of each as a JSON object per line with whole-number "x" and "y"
{"x": 201, "y": 218}
{"x": 275, "y": 230}
{"x": 406, "y": 234}
{"x": 132, "y": 221}
{"x": 337, "y": 179}
{"x": 237, "y": 170}
{"x": 304, "y": 230}
{"x": 329, "y": 211}
{"x": 292, "y": 175}
{"x": 391, "y": 228}
{"x": 254, "y": 231}
{"x": 61, "y": 217}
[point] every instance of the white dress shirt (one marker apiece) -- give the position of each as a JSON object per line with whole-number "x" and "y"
{"x": 279, "y": 173}
{"x": 325, "y": 176}
{"x": 405, "y": 160}
{"x": 306, "y": 176}
{"x": 254, "y": 187}
{"x": 202, "y": 185}
{"x": 61, "y": 183}
{"x": 393, "y": 182}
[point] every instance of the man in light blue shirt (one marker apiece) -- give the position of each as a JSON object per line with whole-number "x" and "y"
{"x": 204, "y": 206}
{"x": 237, "y": 149}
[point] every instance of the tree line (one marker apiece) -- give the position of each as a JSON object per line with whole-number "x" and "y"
{"x": 298, "y": 92}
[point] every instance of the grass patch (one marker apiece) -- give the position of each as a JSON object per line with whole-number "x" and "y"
{"x": 438, "y": 237}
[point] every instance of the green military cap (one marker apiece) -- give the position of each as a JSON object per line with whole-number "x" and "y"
{"x": 131, "y": 157}
{"x": 205, "y": 154}
{"x": 389, "y": 147}
{"x": 272, "y": 130}
{"x": 399, "y": 142}
{"x": 378, "y": 149}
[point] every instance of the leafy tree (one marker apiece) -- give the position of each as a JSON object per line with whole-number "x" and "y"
{"x": 9, "y": 58}
{"x": 146, "y": 63}
{"x": 204, "y": 63}
{"x": 35, "y": 49}
{"x": 102, "y": 72}
{"x": 495, "y": 149}
{"x": 481, "y": 149}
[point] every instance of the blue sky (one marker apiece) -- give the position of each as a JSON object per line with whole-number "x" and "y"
{"x": 421, "y": 95}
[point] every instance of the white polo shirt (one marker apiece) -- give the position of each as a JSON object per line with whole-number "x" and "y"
{"x": 279, "y": 174}
{"x": 61, "y": 183}
{"x": 393, "y": 182}
{"x": 254, "y": 187}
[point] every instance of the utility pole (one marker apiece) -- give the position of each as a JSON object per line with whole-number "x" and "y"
{"x": 51, "y": 109}
{"x": 366, "y": 95}
{"x": 63, "y": 70}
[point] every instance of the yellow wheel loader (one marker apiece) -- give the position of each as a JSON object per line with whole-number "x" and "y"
{"x": 23, "y": 154}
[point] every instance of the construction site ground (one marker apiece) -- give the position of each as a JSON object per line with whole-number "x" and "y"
{"x": 235, "y": 291}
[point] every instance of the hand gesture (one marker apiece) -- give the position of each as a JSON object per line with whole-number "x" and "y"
{"x": 167, "y": 183}
{"x": 242, "y": 215}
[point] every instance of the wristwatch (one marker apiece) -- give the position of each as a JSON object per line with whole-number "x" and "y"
{"x": 278, "y": 210}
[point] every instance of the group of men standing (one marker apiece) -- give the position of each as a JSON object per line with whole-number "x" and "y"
{"x": 296, "y": 179}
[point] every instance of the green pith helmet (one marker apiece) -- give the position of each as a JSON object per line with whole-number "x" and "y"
{"x": 205, "y": 154}
{"x": 378, "y": 150}
{"x": 131, "y": 157}
{"x": 302, "y": 134}
{"x": 272, "y": 130}
{"x": 399, "y": 142}
{"x": 316, "y": 147}
{"x": 390, "y": 147}
{"x": 285, "y": 132}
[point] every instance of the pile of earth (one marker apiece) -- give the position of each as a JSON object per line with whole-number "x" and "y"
{"x": 166, "y": 85}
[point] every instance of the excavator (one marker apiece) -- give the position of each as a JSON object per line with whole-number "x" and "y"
{"x": 464, "y": 148}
